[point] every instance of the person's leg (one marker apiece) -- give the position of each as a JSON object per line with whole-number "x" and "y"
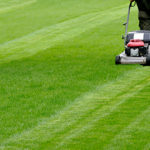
{"x": 147, "y": 5}
{"x": 144, "y": 14}
{"x": 144, "y": 20}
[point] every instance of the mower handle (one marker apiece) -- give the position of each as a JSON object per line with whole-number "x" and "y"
{"x": 127, "y": 23}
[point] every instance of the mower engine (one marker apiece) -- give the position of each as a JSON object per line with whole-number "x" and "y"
{"x": 136, "y": 48}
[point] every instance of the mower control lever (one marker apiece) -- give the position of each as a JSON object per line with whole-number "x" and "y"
{"x": 123, "y": 37}
{"x": 125, "y": 24}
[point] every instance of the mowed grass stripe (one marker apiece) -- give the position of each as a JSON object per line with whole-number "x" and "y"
{"x": 100, "y": 134}
{"x": 98, "y": 115}
{"x": 147, "y": 146}
{"x": 52, "y": 35}
{"x": 126, "y": 100}
{"x": 82, "y": 114}
{"x": 133, "y": 133}
{"x": 7, "y": 6}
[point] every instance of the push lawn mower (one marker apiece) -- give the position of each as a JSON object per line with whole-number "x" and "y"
{"x": 137, "y": 46}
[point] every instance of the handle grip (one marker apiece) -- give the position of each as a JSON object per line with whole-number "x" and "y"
{"x": 132, "y": 4}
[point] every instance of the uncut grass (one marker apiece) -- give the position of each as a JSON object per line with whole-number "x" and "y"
{"x": 36, "y": 88}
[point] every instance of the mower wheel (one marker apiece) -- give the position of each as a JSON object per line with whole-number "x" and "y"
{"x": 148, "y": 61}
{"x": 117, "y": 61}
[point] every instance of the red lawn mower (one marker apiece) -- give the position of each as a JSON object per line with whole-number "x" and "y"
{"x": 137, "y": 46}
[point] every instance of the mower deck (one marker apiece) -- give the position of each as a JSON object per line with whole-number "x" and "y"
{"x": 124, "y": 59}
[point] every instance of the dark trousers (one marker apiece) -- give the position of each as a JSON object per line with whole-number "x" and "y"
{"x": 144, "y": 14}
{"x": 144, "y": 20}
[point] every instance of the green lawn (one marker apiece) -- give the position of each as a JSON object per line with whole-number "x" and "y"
{"x": 59, "y": 86}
